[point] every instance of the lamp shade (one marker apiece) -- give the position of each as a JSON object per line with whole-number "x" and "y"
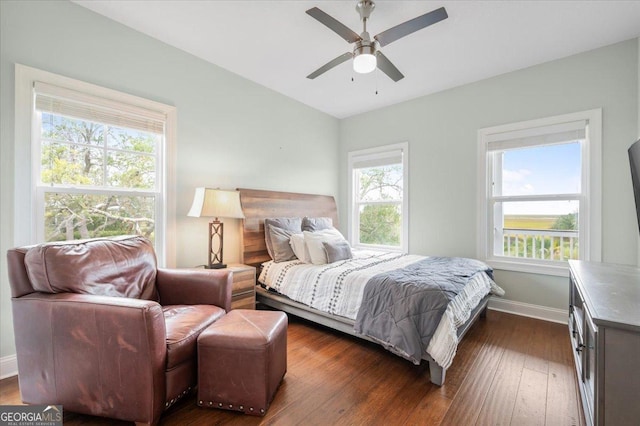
{"x": 209, "y": 202}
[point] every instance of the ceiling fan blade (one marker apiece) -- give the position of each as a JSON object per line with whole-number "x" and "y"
{"x": 333, "y": 63}
{"x": 411, "y": 26}
{"x": 335, "y": 25}
{"x": 385, "y": 65}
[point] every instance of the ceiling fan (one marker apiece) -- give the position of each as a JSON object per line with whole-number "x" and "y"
{"x": 366, "y": 52}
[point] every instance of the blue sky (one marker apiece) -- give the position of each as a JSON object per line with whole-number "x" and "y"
{"x": 551, "y": 169}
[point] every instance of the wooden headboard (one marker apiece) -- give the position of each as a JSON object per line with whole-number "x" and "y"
{"x": 258, "y": 205}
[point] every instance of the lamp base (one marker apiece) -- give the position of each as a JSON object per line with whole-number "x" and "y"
{"x": 216, "y": 266}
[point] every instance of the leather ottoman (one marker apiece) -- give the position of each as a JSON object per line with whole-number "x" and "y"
{"x": 242, "y": 358}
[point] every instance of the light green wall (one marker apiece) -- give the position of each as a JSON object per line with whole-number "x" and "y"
{"x": 231, "y": 132}
{"x": 234, "y": 133}
{"x": 442, "y": 133}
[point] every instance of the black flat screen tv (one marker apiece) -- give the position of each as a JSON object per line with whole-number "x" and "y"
{"x": 634, "y": 159}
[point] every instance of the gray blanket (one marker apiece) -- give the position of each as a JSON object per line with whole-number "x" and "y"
{"x": 401, "y": 309}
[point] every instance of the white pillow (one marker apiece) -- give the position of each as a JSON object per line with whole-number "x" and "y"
{"x": 300, "y": 247}
{"x": 314, "y": 242}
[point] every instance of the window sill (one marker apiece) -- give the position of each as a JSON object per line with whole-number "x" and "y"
{"x": 373, "y": 247}
{"x": 559, "y": 269}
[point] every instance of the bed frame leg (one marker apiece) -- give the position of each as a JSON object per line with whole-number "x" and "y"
{"x": 437, "y": 373}
{"x": 483, "y": 313}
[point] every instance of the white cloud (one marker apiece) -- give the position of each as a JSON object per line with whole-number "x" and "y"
{"x": 515, "y": 175}
{"x": 514, "y": 182}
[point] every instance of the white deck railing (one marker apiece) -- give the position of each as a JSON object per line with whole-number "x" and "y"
{"x": 543, "y": 244}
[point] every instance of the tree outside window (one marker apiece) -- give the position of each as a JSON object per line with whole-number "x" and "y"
{"x": 378, "y": 215}
{"x": 380, "y": 198}
{"x": 98, "y": 166}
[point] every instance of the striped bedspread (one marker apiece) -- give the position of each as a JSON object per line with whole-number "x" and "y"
{"x": 337, "y": 288}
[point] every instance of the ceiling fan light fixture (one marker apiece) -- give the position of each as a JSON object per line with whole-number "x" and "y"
{"x": 364, "y": 55}
{"x": 364, "y": 63}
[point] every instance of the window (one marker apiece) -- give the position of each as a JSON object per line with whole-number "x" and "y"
{"x": 98, "y": 164}
{"x": 378, "y": 216}
{"x": 540, "y": 198}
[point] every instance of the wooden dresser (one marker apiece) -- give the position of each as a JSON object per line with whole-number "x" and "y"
{"x": 604, "y": 326}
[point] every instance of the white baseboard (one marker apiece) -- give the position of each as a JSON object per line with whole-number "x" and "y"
{"x": 8, "y": 366}
{"x": 528, "y": 310}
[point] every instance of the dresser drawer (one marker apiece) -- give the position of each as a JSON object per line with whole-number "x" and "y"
{"x": 605, "y": 334}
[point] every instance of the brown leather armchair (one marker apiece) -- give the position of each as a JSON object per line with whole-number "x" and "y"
{"x": 102, "y": 331}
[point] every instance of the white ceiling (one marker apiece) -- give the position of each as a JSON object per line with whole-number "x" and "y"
{"x": 276, "y": 44}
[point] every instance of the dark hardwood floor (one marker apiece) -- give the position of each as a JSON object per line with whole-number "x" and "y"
{"x": 509, "y": 370}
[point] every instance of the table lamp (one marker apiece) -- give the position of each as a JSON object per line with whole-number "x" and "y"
{"x": 216, "y": 203}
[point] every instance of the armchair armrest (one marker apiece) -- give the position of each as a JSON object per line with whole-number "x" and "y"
{"x": 82, "y": 351}
{"x": 195, "y": 287}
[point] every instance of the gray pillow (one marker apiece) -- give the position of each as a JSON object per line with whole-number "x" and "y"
{"x": 312, "y": 224}
{"x": 338, "y": 250}
{"x": 282, "y": 250}
{"x": 293, "y": 224}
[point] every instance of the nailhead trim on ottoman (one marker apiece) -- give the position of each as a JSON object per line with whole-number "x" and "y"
{"x": 242, "y": 358}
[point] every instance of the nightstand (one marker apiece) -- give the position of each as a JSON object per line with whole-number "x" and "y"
{"x": 244, "y": 286}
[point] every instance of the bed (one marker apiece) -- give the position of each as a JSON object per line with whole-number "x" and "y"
{"x": 258, "y": 205}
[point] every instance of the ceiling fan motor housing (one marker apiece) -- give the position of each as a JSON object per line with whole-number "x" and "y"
{"x": 365, "y": 47}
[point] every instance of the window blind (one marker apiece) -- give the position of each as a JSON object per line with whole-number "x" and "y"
{"x": 66, "y": 102}
{"x": 378, "y": 159}
{"x": 557, "y": 133}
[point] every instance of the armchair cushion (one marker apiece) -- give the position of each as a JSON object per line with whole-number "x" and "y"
{"x": 123, "y": 266}
{"x": 184, "y": 323}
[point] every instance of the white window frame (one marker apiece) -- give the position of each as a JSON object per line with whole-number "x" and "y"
{"x": 28, "y": 229}
{"x": 353, "y": 210}
{"x": 590, "y": 232}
